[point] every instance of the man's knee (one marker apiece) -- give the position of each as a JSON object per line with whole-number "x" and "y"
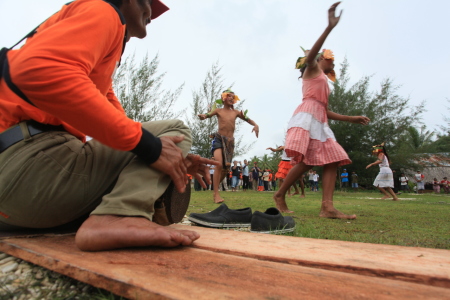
{"x": 173, "y": 127}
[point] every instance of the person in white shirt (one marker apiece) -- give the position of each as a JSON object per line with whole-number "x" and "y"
{"x": 211, "y": 174}
{"x": 316, "y": 181}
{"x": 420, "y": 182}
{"x": 404, "y": 182}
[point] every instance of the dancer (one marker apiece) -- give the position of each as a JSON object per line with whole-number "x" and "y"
{"x": 223, "y": 143}
{"x": 309, "y": 140}
{"x": 283, "y": 169}
{"x": 385, "y": 179}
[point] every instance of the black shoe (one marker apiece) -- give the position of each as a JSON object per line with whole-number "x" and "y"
{"x": 224, "y": 217}
{"x": 271, "y": 221}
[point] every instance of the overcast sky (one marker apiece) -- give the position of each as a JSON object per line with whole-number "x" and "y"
{"x": 257, "y": 43}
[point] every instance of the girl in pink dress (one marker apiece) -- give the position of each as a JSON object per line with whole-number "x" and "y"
{"x": 310, "y": 141}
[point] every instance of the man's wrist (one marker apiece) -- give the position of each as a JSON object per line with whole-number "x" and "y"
{"x": 149, "y": 147}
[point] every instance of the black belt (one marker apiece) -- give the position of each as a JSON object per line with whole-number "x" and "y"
{"x": 14, "y": 134}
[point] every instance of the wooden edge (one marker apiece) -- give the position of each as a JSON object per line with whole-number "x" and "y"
{"x": 413, "y": 264}
{"x": 190, "y": 273}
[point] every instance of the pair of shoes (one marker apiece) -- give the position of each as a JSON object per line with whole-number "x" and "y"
{"x": 271, "y": 221}
{"x": 171, "y": 207}
{"x": 223, "y": 217}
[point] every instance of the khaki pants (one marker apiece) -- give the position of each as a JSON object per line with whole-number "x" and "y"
{"x": 54, "y": 178}
{"x": 255, "y": 184}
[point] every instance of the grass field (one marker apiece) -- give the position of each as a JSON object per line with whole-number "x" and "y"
{"x": 415, "y": 221}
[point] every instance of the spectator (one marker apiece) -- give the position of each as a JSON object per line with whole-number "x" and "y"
{"x": 245, "y": 176}
{"x": 316, "y": 181}
{"x": 419, "y": 178}
{"x": 211, "y": 175}
{"x": 436, "y": 186}
{"x": 235, "y": 175}
{"x": 65, "y": 74}
{"x": 445, "y": 186}
{"x": 354, "y": 180}
{"x": 274, "y": 181}
{"x": 270, "y": 180}
{"x": 255, "y": 174}
{"x": 265, "y": 178}
{"x": 230, "y": 175}
{"x": 344, "y": 179}
{"x": 404, "y": 182}
{"x": 311, "y": 179}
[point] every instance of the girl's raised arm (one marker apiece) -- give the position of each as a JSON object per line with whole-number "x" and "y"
{"x": 311, "y": 61}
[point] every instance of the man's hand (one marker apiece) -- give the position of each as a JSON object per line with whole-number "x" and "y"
{"x": 202, "y": 116}
{"x": 256, "y": 130}
{"x": 171, "y": 161}
{"x": 197, "y": 167}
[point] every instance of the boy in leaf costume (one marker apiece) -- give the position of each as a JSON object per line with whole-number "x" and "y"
{"x": 223, "y": 142}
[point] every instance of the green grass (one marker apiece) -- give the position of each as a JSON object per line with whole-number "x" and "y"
{"x": 415, "y": 221}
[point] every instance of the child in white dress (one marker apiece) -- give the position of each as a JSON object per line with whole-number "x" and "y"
{"x": 385, "y": 179}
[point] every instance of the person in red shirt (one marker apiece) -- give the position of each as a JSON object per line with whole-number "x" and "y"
{"x": 55, "y": 90}
{"x": 444, "y": 184}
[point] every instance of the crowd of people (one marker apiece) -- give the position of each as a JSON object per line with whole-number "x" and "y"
{"x": 241, "y": 177}
{"x": 244, "y": 178}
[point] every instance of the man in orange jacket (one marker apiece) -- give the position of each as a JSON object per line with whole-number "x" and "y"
{"x": 57, "y": 89}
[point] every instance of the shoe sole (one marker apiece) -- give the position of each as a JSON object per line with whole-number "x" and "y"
{"x": 176, "y": 203}
{"x": 218, "y": 225}
{"x": 278, "y": 231}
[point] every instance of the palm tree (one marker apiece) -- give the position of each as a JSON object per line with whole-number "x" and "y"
{"x": 418, "y": 141}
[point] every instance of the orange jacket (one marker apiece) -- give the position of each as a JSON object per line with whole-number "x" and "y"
{"x": 66, "y": 71}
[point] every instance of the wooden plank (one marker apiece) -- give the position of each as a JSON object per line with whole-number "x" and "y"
{"x": 190, "y": 273}
{"x": 414, "y": 264}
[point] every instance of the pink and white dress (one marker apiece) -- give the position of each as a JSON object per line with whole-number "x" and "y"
{"x": 309, "y": 138}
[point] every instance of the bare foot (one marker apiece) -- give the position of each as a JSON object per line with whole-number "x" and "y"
{"x": 395, "y": 199}
{"x": 106, "y": 232}
{"x": 385, "y": 197}
{"x": 302, "y": 196}
{"x": 218, "y": 199}
{"x": 296, "y": 193}
{"x": 335, "y": 214}
{"x": 280, "y": 203}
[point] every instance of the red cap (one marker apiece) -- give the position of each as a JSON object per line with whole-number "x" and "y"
{"x": 158, "y": 8}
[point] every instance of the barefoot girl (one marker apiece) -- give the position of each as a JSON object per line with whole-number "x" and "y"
{"x": 310, "y": 141}
{"x": 385, "y": 179}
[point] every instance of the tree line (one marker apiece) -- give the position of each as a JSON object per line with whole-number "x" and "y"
{"x": 393, "y": 120}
